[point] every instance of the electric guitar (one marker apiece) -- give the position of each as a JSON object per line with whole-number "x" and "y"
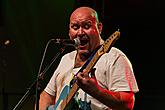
{"x": 65, "y": 101}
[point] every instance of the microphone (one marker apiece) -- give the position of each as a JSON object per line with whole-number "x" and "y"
{"x": 75, "y": 42}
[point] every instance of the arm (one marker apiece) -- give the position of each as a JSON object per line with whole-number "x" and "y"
{"x": 115, "y": 100}
{"x": 46, "y": 100}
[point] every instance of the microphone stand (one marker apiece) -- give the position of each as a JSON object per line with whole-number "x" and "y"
{"x": 40, "y": 77}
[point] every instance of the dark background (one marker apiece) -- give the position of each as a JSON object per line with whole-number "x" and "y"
{"x": 27, "y": 25}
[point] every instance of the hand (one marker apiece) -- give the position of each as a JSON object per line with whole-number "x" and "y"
{"x": 88, "y": 84}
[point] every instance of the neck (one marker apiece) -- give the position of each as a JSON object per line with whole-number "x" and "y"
{"x": 80, "y": 59}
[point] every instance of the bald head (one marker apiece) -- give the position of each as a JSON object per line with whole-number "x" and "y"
{"x": 81, "y": 11}
{"x": 84, "y": 22}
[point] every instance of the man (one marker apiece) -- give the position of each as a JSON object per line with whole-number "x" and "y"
{"x": 113, "y": 85}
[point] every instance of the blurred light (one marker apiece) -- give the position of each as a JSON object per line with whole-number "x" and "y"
{"x": 7, "y": 42}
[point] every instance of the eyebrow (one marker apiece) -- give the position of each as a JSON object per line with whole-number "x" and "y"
{"x": 82, "y": 22}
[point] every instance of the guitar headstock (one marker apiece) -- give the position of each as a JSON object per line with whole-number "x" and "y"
{"x": 109, "y": 42}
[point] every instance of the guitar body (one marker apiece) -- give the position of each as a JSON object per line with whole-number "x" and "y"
{"x": 85, "y": 105}
{"x": 63, "y": 95}
{"x": 80, "y": 105}
{"x": 72, "y": 105}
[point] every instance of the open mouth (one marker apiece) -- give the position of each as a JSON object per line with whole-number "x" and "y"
{"x": 84, "y": 40}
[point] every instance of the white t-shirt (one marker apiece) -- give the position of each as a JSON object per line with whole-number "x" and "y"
{"x": 113, "y": 72}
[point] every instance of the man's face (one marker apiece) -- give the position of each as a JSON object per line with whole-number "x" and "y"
{"x": 83, "y": 25}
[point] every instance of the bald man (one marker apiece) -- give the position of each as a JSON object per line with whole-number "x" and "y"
{"x": 113, "y": 84}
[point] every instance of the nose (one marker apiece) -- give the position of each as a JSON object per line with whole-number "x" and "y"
{"x": 80, "y": 32}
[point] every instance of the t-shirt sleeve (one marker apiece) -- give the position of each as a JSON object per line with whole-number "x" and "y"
{"x": 51, "y": 86}
{"x": 122, "y": 75}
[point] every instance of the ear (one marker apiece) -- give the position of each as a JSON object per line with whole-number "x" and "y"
{"x": 100, "y": 27}
{"x": 69, "y": 33}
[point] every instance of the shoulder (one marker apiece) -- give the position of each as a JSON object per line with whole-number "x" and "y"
{"x": 67, "y": 61}
{"x": 70, "y": 55}
{"x": 115, "y": 51}
{"x": 114, "y": 55}
{"x": 120, "y": 56}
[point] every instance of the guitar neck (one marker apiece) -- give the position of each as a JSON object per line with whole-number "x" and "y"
{"x": 92, "y": 63}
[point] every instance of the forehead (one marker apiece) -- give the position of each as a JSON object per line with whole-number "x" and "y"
{"x": 82, "y": 15}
